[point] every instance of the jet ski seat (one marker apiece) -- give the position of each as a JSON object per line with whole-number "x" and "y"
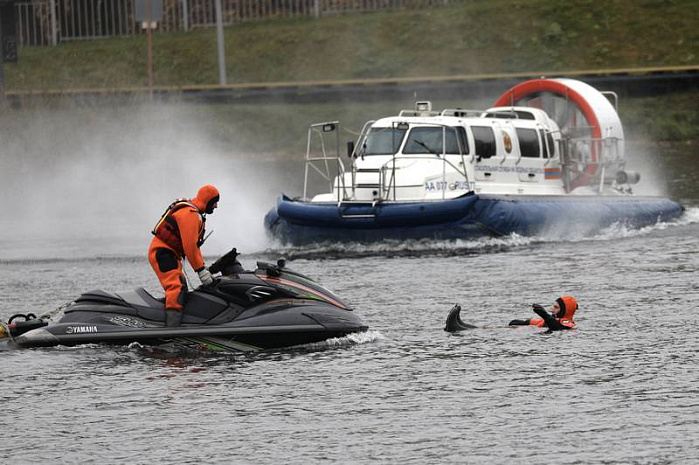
{"x": 140, "y": 297}
{"x": 135, "y": 303}
{"x": 146, "y": 305}
{"x": 198, "y": 308}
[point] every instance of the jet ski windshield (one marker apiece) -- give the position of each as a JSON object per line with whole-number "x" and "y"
{"x": 282, "y": 281}
{"x": 298, "y": 285}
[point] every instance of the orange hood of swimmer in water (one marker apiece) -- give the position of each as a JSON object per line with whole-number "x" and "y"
{"x": 568, "y": 306}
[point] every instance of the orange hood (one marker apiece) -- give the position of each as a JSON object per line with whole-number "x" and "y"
{"x": 206, "y": 197}
{"x": 568, "y": 306}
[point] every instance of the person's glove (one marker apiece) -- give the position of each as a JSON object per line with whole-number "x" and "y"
{"x": 205, "y": 277}
{"x": 541, "y": 311}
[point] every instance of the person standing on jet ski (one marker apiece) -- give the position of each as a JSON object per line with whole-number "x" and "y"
{"x": 179, "y": 234}
{"x": 560, "y": 318}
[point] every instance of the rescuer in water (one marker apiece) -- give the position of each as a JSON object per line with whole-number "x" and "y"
{"x": 561, "y": 316}
{"x": 179, "y": 234}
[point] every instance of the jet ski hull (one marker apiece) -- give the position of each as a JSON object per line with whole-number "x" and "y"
{"x": 301, "y": 324}
{"x": 251, "y": 338}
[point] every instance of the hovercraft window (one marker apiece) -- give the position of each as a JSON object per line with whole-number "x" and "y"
{"x": 484, "y": 138}
{"x": 528, "y": 143}
{"x": 383, "y": 141}
{"x": 429, "y": 140}
{"x": 510, "y": 114}
{"x": 550, "y": 147}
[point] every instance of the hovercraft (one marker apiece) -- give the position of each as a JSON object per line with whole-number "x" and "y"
{"x": 549, "y": 154}
{"x": 271, "y": 307}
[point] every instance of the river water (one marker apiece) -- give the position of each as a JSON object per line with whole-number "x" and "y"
{"x": 622, "y": 388}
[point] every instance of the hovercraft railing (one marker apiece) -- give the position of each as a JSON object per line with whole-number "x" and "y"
{"x": 576, "y": 158}
{"x": 324, "y": 160}
{"x": 322, "y": 164}
{"x": 344, "y": 200}
{"x": 388, "y": 186}
{"x": 392, "y": 185}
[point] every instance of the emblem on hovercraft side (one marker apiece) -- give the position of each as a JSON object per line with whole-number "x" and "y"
{"x": 507, "y": 141}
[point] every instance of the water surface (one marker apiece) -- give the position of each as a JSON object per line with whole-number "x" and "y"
{"x": 620, "y": 389}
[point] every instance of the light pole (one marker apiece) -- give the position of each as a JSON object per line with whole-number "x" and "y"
{"x": 221, "y": 48}
{"x": 2, "y": 64}
{"x": 149, "y": 45}
{"x": 149, "y": 13}
{"x": 8, "y": 39}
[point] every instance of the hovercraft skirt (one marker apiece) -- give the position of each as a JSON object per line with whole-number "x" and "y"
{"x": 466, "y": 217}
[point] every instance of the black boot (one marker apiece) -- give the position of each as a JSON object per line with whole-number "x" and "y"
{"x": 173, "y": 317}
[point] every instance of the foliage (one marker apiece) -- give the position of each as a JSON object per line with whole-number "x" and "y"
{"x": 474, "y": 37}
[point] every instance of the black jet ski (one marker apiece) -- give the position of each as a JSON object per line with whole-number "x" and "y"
{"x": 268, "y": 308}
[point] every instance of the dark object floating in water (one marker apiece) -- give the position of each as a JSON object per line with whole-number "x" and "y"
{"x": 454, "y": 322}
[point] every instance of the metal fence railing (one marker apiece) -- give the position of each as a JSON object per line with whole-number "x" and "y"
{"x": 49, "y": 22}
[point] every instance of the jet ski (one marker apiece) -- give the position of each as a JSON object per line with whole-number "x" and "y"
{"x": 270, "y": 307}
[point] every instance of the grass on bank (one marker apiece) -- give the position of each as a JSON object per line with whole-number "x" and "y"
{"x": 471, "y": 37}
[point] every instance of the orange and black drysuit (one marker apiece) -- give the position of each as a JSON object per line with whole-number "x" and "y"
{"x": 178, "y": 234}
{"x": 563, "y": 319}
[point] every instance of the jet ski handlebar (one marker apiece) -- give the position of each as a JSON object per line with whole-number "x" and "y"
{"x": 227, "y": 264}
{"x": 271, "y": 269}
